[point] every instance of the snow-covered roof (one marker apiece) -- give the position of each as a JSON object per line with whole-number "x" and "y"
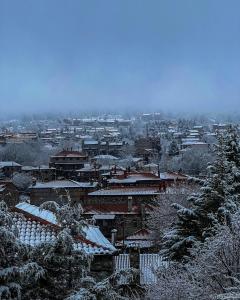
{"x": 90, "y": 142}
{"x": 110, "y": 210}
{"x": 190, "y": 140}
{"x": 94, "y": 234}
{"x": 151, "y": 165}
{"x": 39, "y": 225}
{"x": 141, "y": 234}
{"x": 192, "y": 143}
{"x": 36, "y": 211}
{"x": 86, "y": 168}
{"x": 55, "y": 184}
{"x": 41, "y": 167}
{"x": 116, "y": 144}
{"x": 107, "y": 156}
{"x": 9, "y": 164}
{"x": 172, "y": 176}
{"x": 104, "y": 216}
{"x": 134, "y": 178}
{"x": 66, "y": 153}
{"x": 125, "y": 191}
{"x": 142, "y": 238}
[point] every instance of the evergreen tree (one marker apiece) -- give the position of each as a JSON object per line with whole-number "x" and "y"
{"x": 16, "y": 272}
{"x": 232, "y": 154}
{"x": 64, "y": 265}
{"x": 111, "y": 287}
{"x": 217, "y": 200}
{"x": 173, "y": 148}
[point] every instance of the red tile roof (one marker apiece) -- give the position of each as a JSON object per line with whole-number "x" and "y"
{"x": 28, "y": 223}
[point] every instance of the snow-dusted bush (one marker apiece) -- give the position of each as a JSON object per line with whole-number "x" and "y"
{"x": 111, "y": 287}
{"x": 22, "y": 181}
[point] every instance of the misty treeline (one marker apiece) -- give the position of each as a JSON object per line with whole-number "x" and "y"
{"x": 201, "y": 238}
{"x": 26, "y": 153}
{"x": 33, "y": 153}
{"x": 191, "y": 162}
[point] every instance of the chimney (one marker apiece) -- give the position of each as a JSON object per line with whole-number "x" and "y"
{"x": 113, "y": 236}
{"x": 129, "y": 204}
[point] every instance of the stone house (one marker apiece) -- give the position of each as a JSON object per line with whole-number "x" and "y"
{"x": 67, "y": 162}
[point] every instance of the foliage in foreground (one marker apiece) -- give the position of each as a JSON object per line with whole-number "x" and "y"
{"x": 213, "y": 272}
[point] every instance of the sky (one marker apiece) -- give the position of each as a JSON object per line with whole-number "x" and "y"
{"x": 151, "y": 55}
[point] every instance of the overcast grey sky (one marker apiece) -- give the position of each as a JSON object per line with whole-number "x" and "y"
{"x": 69, "y": 55}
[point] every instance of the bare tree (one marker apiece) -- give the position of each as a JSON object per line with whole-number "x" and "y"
{"x": 192, "y": 162}
{"x": 212, "y": 273}
{"x": 163, "y": 214}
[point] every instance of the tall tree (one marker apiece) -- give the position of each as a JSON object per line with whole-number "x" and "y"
{"x": 65, "y": 266}
{"x": 212, "y": 273}
{"x": 214, "y": 204}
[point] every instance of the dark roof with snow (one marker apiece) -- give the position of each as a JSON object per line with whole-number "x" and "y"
{"x": 67, "y": 153}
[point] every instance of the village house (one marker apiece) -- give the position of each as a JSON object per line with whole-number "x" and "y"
{"x": 127, "y": 200}
{"x": 143, "y": 239}
{"x": 137, "y": 179}
{"x": 88, "y": 172}
{"x": 8, "y": 168}
{"x": 173, "y": 178}
{"x": 37, "y": 226}
{"x": 123, "y": 209}
{"x": 41, "y": 173}
{"x": 96, "y": 171}
{"x": 124, "y": 218}
{"x": 60, "y": 191}
{"x": 195, "y": 145}
{"x": 67, "y": 162}
{"x": 91, "y": 147}
{"x": 94, "y": 147}
{"x": 147, "y": 147}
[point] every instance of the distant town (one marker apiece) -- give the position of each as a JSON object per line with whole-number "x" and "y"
{"x": 124, "y": 174}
